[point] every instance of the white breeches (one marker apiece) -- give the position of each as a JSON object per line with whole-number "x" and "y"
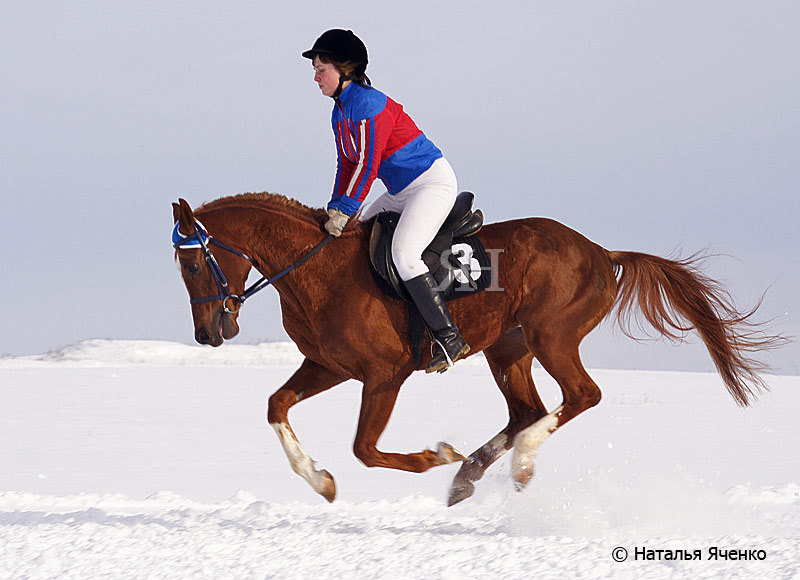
{"x": 423, "y": 206}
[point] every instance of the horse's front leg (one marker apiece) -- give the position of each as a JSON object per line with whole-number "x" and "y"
{"x": 309, "y": 380}
{"x": 377, "y": 402}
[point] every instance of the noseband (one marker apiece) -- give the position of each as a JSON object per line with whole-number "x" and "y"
{"x": 201, "y": 239}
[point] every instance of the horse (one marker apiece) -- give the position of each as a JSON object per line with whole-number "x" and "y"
{"x": 556, "y": 286}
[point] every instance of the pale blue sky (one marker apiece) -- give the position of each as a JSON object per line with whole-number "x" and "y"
{"x": 645, "y": 126}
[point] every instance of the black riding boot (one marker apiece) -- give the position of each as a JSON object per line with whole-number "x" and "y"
{"x": 428, "y": 299}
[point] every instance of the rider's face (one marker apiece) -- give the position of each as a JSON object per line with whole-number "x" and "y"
{"x": 326, "y": 76}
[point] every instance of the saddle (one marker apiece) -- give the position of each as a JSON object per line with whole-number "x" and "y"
{"x": 456, "y": 259}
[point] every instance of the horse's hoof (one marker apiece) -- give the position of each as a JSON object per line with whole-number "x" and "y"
{"x": 326, "y": 487}
{"x": 448, "y": 454}
{"x": 521, "y": 473}
{"x": 460, "y": 493}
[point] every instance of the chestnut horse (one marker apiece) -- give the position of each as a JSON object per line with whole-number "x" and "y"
{"x": 556, "y": 287}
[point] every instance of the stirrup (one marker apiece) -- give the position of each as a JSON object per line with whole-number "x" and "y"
{"x": 448, "y": 361}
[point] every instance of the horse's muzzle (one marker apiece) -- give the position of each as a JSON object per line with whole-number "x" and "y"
{"x": 223, "y": 328}
{"x": 203, "y": 336}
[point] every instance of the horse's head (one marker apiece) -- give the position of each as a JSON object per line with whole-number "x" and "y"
{"x": 213, "y": 280}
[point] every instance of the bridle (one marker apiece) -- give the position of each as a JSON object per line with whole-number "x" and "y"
{"x": 201, "y": 239}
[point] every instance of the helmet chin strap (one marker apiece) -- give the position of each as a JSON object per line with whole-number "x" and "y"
{"x": 342, "y": 79}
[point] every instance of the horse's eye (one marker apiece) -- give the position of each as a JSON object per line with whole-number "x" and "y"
{"x": 193, "y": 268}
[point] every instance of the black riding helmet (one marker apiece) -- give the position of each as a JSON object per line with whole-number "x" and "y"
{"x": 342, "y": 46}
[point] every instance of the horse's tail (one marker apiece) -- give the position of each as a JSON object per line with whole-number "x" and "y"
{"x": 674, "y": 296}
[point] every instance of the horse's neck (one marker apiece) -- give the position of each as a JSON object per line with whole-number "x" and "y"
{"x": 300, "y": 291}
{"x": 273, "y": 238}
{"x": 278, "y": 240}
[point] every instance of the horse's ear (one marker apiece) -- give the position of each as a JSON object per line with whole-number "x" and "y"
{"x": 182, "y": 212}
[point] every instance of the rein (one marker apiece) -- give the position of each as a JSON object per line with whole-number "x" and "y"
{"x": 201, "y": 239}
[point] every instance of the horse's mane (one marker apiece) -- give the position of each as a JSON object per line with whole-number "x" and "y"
{"x": 267, "y": 201}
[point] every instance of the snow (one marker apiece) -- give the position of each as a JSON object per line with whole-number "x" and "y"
{"x": 154, "y": 459}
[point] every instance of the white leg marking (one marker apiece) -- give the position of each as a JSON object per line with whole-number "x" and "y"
{"x": 526, "y": 446}
{"x": 448, "y": 453}
{"x": 495, "y": 448}
{"x": 498, "y": 443}
{"x": 301, "y": 463}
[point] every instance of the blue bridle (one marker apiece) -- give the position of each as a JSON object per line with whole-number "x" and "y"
{"x": 201, "y": 239}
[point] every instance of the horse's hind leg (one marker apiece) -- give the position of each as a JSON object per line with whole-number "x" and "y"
{"x": 377, "y": 402}
{"x": 309, "y": 380}
{"x": 559, "y": 357}
{"x": 510, "y": 362}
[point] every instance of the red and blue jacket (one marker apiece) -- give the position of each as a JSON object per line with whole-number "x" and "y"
{"x": 375, "y": 138}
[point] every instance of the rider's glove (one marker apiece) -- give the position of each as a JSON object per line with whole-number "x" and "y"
{"x": 336, "y": 222}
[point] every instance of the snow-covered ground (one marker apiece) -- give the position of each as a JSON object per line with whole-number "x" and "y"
{"x": 144, "y": 459}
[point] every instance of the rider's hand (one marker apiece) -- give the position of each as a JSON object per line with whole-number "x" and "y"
{"x": 336, "y": 222}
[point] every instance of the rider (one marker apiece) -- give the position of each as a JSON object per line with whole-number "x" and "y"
{"x": 376, "y": 138}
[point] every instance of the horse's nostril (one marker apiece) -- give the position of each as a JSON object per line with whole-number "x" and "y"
{"x": 202, "y": 336}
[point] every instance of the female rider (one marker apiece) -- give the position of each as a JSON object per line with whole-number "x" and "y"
{"x": 376, "y": 138}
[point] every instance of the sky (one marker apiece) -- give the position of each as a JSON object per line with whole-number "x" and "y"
{"x": 665, "y": 128}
